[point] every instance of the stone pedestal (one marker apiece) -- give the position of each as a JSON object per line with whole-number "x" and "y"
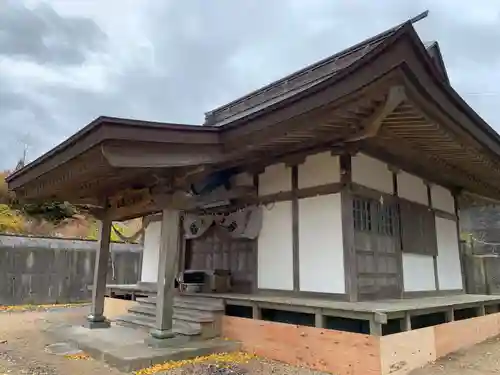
{"x": 166, "y": 341}
{"x": 94, "y": 322}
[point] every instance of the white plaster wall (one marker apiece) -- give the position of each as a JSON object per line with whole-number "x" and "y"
{"x": 275, "y": 248}
{"x": 412, "y": 188}
{"x": 321, "y": 250}
{"x": 276, "y": 178}
{"x": 442, "y": 199}
{"x": 418, "y": 273}
{"x": 151, "y": 252}
{"x": 371, "y": 173}
{"x": 319, "y": 169}
{"x": 448, "y": 259}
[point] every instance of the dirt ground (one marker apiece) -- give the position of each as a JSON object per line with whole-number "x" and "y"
{"x": 23, "y": 352}
{"x": 481, "y": 359}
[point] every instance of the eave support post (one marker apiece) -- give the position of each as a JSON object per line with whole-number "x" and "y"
{"x": 96, "y": 318}
{"x": 167, "y": 268}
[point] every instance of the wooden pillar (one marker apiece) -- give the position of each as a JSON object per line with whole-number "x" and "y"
{"x": 350, "y": 263}
{"x": 295, "y": 229}
{"x": 167, "y": 268}
{"x": 406, "y": 322}
{"x": 434, "y": 257}
{"x": 319, "y": 320}
{"x": 462, "y": 255}
{"x": 450, "y": 315}
{"x": 96, "y": 318}
{"x": 376, "y": 323}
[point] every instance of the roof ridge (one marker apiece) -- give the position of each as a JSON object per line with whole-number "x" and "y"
{"x": 347, "y": 51}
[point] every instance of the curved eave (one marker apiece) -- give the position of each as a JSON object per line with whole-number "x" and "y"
{"x": 404, "y": 51}
{"x": 115, "y": 166}
{"x": 462, "y": 113}
{"x": 106, "y": 129}
{"x": 352, "y": 79}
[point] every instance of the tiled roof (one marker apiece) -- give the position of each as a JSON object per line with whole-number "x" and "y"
{"x": 298, "y": 81}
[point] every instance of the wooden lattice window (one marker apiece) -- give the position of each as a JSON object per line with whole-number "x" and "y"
{"x": 387, "y": 219}
{"x": 374, "y": 216}
{"x": 362, "y": 211}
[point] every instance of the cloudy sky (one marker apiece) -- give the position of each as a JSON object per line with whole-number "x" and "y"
{"x": 65, "y": 62}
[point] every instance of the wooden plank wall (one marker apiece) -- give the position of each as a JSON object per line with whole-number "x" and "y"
{"x": 403, "y": 352}
{"x": 340, "y": 353}
{"x": 344, "y": 353}
{"x": 114, "y": 307}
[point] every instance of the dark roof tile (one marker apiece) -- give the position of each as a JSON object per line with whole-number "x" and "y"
{"x": 298, "y": 81}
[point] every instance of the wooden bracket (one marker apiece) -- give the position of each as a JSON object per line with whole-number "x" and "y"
{"x": 393, "y": 169}
{"x": 295, "y": 160}
{"x": 370, "y": 126}
{"x": 345, "y": 149}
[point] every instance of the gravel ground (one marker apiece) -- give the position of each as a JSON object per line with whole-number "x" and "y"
{"x": 482, "y": 359}
{"x": 23, "y": 351}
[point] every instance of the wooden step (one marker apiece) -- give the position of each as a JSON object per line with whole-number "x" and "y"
{"x": 148, "y": 310}
{"x": 136, "y": 321}
{"x": 193, "y": 299}
{"x": 146, "y": 301}
{"x": 201, "y": 304}
{"x": 189, "y": 302}
{"x": 183, "y": 327}
{"x": 180, "y": 326}
{"x": 193, "y": 315}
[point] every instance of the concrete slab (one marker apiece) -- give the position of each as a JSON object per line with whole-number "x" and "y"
{"x": 125, "y": 348}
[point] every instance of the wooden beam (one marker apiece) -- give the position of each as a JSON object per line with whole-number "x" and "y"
{"x": 151, "y": 155}
{"x": 183, "y": 201}
{"x": 135, "y": 203}
{"x": 371, "y": 125}
{"x": 132, "y": 203}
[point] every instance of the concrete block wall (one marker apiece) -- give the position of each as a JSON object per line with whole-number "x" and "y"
{"x": 482, "y": 274}
{"x": 53, "y": 270}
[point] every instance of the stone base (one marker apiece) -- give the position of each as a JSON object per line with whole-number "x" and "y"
{"x": 162, "y": 334}
{"x": 174, "y": 341}
{"x": 96, "y": 322}
{"x": 97, "y": 325}
{"x": 124, "y": 348}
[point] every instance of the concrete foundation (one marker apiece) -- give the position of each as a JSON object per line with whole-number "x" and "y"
{"x": 125, "y": 348}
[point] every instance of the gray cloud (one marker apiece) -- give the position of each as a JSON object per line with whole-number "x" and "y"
{"x": 43, "y": 35}
{"x": 174, "y": 60}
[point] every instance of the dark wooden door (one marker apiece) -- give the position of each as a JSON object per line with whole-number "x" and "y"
{"x": 217, "y": 250}
{"x": 377, "y": 247}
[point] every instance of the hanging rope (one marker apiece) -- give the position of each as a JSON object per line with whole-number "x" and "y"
{"x": 484, "y": 242}
{"x": 130, "y": 239}
{"x": 494, "y": 245}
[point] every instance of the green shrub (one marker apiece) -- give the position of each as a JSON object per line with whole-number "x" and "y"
{"x": 10, "y": 220}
